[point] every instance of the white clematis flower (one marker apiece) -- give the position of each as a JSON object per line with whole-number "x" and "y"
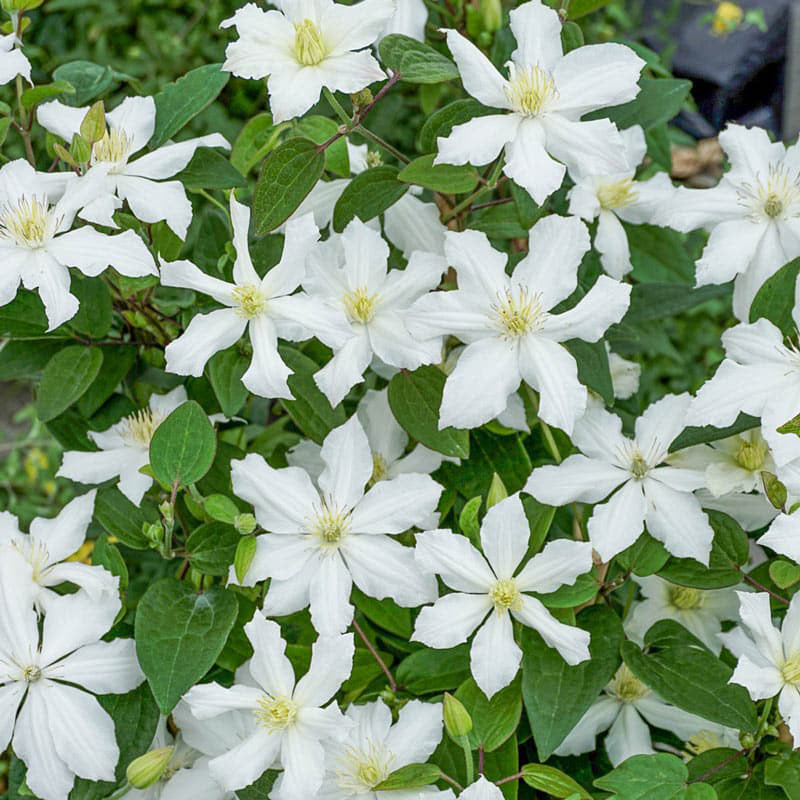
{"x": 264, "y": 307}
{"x": 388, "y": 442}
{"x": 349, "y": 274}
{"x": 760, "y": 376}
{"x": 627, "y": 706}
{"x": 321, "y": 541}
{"x": 140, "y": 181}
{"x": 292, "y": 718}
{"x": 769, "y": 659}
{"x": 645, "y": 489}
{"x": 752, "y": 214}
{"x": 410, "y": 224}
{"x": 48, "y": 547}
{"x": 625, "y": 375}
{"x": 487, "y": 593}
{"x": 61, "y": 730}
{"x": 124, "y": 448}
{"x": 375, "y": 747}
{"x": 36, "y": 244}
{"x": 700, "y": 611}
{"x": 545, "y": 96}
{"x": 783, "y": 536}
{"x": 507, "y": 323}
{"x": 307, "y": 45}
{"x": 13, "y": 62}
{"x": 616, "y": 198}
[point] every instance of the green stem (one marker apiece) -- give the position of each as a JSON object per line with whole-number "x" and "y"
{"x": 121, "y": 792}
{"x": 382, "y": 143}
{"x": 464, "y": 741}
{"x": 547, "y": 434}
{"x": 211, "y": 199}
{"x": 437, "y": 7}
{"x": 337, "y": 106}
{"x": 491, "y": 182}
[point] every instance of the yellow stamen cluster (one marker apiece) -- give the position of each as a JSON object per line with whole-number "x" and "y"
{"x": 618, "y": 194}
{"x": 360, "y": 305}
{"x": 250, "y": 300}
{"x": 776, "y": 197}
{"x": 29, "y": 223}
{"x": 31, "y": 673}
{"x": 751, "y": 455}
{"x": 626, "y": 687}
{"x": 791, "y": 670}
{"x": 379, "y": 467}
{"x": 275, "y": 714}
{"x": 530, "y": 90}
{"x": 309, "y": 49}
{"x": 139, "y": 427}
{"x": 702, "y": 741}
{"x": 330, "y": 525}
{"x": 113, "y": 148}
{"x": 505, "y": 596}
{"x": 361, "y": 770}
{"x": 685, "y": 598}
{"x": 518, "y": 312}
{"x": 639, "y": 466}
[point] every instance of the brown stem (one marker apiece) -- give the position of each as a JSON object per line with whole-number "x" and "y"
{"x": 723, "y": 763}
{"x": 480, "y": 759}
{"x": 376, "y": 655}
{"x": 508, "y": 779}
{"x": 451, "y": 781}
{"x": 761, "y": 587}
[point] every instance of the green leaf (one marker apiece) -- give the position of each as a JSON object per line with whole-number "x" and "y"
{"x": 415, "y": 61}
{"x": 117, "y": 363}
{"x": 208, "y": 169}
{"x": 289, "y": 173}
{"x": 181, "y": 101}
{"x": 256, "y": 139}
{"x": 260, "y": 789}
{"x": 557, "y": 695}
{"x": 179, "y": 635}
{"x": 729, "y": 551}
{"x": 784, "y": 574}
{"x": 89, "y": 80}
{"x": 708, "y": 433}
{"x": 659, "y": 100}
{"x": 385, "y": 613}
{"x": 411, "y": 776}
{"x": 572, "y": 36}
{"x": 446, "y": 178}
{"x": 95, "y": 313}
{"x": 319, "y": 130}
{"x": 107, "y": 555}
{"x": 442, "y": 122}
{"x": 784, "y": 771}
{"x": 121, "y": 518}
{"x": 655, "y": 777}
{"x": 68, "y": 374}
{"x": 651, "y": 301}
{"x": 573, "y": 595}
{"x": 428, "y": 670}
{"x": 310, "y": 409}
{"x": 468, "y": 522}
{"x": 238, "y": 648}
{"x": 367, "y": 195}
{"x": 414, "y": 398}
{"x": 211, "y": 548}
{"x": 593, "y": 369}
{"x": 749, "y": 786}
{"x": 27, "y": 359}
{"x": 32, "y": 97}
{"x": 540, "y": 518}
{"x": 692, "y": 678}
{"x": 225, "y": 370}
{"x": 23, "y": 316}
{"x": 221, "y": 508}
{"x": 182, "y": 448}
{"x": 645, "y": 556}
{"x": 579, "y": 8}
{"x": 495, "y": 720}
{"x": 775, "y": 299}
{"x": 659, "y": 255}
{"x": 553, "y": 781}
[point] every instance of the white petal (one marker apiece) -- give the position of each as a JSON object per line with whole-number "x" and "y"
{"x": 611, "y": 242}
{"x": 690, "y": 209}
{"x": 729, "y": 251}
{"x": 207, "y": 700}
{"x": 756, "y": 616}
{"x": 269, "y": 664}
{"x": 661, "y": 422}
{"x": 529, "y": 164}
{"x": 345, "y": 369}
{"x": 479, "y": 76}
{"x": 52, "y": 280}
{"x": 454, "y": 313}
{"x": 576, "y": 478}
{"x": 558, "y": 564}
{"x": 91, "y": 467}
{"x": 451, "y": 619}
{"x": 572, "y": 643}
{"x": 186, "y": 275}
{"x": 303, "y": 761}
{"x": 153, "y": 201}
{"x": 593, "y": 148}
{"x": 629, "y": 736}
{"x": 599, "y": 717}
{"x": 14, "y": 63}
{"x": 394, "y": 506}
{"x": 760, "y": 681}
{"x": 283, "y": 498}
{"x": 494, "y": 657}
{"x": 136, "y": 117}
{"x": 789, "y": 708}
{"x": 749, "y": 150}
{"x": 329, "y": 596}
{"x": 206, "y": 334}
{"x": 537, "y": 30}
{"x": 279, "y": 556}
{"x": 331, "y": 664}
{"x": 618, "y": 523}
{"x": 18, "y": 590}
{"x": 246, "y": 762}
{"x": 91, "y": 252}
{"x": 481, "y": 269}
{"x": 395, "y": 346}
{"x": 598, "y": 434}
{"x": 170, "y": 159}
{"x": 293, "y": 594}
{"x": 455, "y": 558}
{"x": 413, "y": 225}
{"x": 102, "y": 667}
{"x": 478, "y": 141}
{"x": 783, "y": 536}
{"x": 348, "y": 464}
{"x": 417, "y": 732}
{"x": 10, "y": 699}
{"x": 267, "y": 374}
{"x": 504, "y": 536}
{"x": 482, "y": 789}
{"x": 65, "y": 533}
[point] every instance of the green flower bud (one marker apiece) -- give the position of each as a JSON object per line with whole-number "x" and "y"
{"x": 491, "y": 15}
{"x": 222, "y": 509}
{"x": 81, "y": 149}
{"x": 775, "y": 490}
{"x": 497, "y": 492}
{"x": 245, "y": 551}
{"x": 148, "y": 768}
{"x": 93, "y": 126}
{"x": 65, "y": 155}
{"x": 457, "y": 721}
{"x": 154, "y": 533}
{"x": 244, "y": 523}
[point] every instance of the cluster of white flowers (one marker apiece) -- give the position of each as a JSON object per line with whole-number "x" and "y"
{"x": 330, "y": 519}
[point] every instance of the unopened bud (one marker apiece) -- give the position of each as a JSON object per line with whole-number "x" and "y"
{"x": 65, "y": 155}
{"x": 223, "y": 509}
{"x": 491, "y": 15}
{"x": 746, "y": 739}
{"x": 457, "y": 721}
{"x": 244, "y": 523}
{"x": 148, "y": 768}
{"x": 374, "y": 159}
{"x": 81, "y": 149}
{"x": 245, "y": 552}
{"x": 774, "y": 489}
{"x": 153, "y": 532}
{"x": 362, "y": 98}
{"x": 497, "y": 492}
{"x": 168, "y": 513}
{"x": 93, "y": 126}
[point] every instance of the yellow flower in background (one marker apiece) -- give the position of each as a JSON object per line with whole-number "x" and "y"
{"x": 727, "y": 18}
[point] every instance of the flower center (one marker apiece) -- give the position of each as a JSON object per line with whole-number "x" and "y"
{"x": 531, "y": 90}
{"x": 505, "y": 595}
{"x": 31, "y": 673}
{"x": 330, "y": 526}
{"x": 519, "y": 312}
{"x": 751, "y": 455}
{"x": 35, "y": 553}
{"x": 380, "y": 468}
{"x": 617, "y": 194}
{"x": 139, "y": 427}
{"x": 626, "y": 687}
{"x": 361, "y": 770}
{"x": 702, "y": 741}
{"x": 639, "y": 467}
{"x": 684, "y": 598}
{"x": 777, "y": 197}
{"x": 360, "y": 305}
{"x": 309, "y": 49}
{"x": 250, "y": 300}
{"x": 29, "y": 223}
{"x": 113, "y": 148}
{"x": 791, "y": 670}
{"x": 276, "y": 714}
